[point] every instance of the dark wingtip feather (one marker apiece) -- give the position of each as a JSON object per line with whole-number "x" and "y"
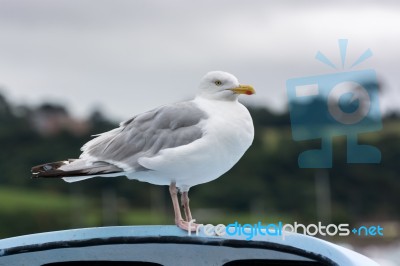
{"x": 51, "y": 170}
{"x": 48, "y": 170}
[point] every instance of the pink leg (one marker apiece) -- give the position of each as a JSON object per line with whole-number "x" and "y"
{"x": 178, "y": 217}
{"x": 186, "y": 208}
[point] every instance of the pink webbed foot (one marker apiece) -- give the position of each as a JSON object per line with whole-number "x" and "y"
{"x": 187, "y": 226}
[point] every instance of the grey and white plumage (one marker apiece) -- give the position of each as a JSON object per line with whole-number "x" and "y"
{"x": 145, "y": 135}
{"x": 182, "y": 144}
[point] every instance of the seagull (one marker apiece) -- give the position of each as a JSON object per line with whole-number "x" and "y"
{"x": 178, "y": 145}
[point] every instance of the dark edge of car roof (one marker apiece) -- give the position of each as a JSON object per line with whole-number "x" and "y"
{"x": 165, "y": 240}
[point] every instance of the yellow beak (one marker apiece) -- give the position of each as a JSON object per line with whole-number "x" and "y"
{"x": 244, "y": 89}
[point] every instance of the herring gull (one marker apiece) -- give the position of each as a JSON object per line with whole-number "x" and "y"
{"x": 179, "y": 145}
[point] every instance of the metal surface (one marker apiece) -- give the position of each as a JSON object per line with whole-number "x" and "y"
{"x": 168, "y": 245}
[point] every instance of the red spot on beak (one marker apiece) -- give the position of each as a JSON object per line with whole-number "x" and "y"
{"x": 249, "y": 92}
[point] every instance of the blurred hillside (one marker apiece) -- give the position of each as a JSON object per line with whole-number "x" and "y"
{"x": 265, "y": 185}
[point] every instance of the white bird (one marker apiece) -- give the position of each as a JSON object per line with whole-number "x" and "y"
{"x": 180, "y": 145}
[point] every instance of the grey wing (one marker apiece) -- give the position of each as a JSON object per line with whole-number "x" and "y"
{"x": 146, "y": 134}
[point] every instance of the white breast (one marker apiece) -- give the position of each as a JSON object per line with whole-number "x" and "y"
{"x": 228, "y": 133}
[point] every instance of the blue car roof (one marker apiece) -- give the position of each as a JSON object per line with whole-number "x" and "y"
{"x": 107, "y": 242}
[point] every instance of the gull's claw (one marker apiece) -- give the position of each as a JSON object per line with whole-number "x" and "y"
{"x": 182, "y": 224}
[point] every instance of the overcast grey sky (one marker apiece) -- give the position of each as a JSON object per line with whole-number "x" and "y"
{"x": 126, "y": 57}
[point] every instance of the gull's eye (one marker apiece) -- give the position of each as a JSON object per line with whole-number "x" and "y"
{"x": 218, "y": 83}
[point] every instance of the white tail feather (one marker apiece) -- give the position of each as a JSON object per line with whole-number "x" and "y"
{"x": 73, "y": 179}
